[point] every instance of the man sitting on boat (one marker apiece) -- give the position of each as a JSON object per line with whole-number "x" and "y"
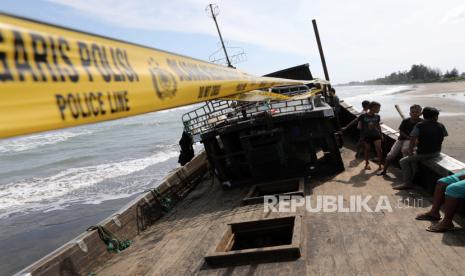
{"x": 402, "y": 144}
{"x": 429, "y": 134}
{"x": 449, "y": 190}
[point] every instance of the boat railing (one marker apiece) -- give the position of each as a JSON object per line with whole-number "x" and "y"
{"x": 290, "y": 90}
{"x": 220, "y": 113}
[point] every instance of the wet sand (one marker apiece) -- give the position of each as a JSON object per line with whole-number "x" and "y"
{"x": 449, "y": 98}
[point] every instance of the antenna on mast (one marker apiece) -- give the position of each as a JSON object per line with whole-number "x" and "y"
{"x": 238, "y": 55}
{"x": 213, "y": 10}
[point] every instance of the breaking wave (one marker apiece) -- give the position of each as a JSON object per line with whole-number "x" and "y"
{"x": 37, "y": 140}
{"x": 74, "y": 185}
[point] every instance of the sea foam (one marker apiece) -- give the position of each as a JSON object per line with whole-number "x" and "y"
{"x": 59, "y": 190}
{"x": 37, "y": 140}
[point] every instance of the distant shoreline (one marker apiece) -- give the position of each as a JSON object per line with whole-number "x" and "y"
{"x": 410, "y": 83}
{"x": 449, "y": 98}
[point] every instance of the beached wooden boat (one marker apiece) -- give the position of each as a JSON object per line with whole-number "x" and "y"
{"x": 202, "y": 232}
{"x": 192, "y": 224}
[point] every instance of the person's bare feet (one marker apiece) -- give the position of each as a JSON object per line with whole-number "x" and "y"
{"x": 383, "y": 172}
{"x": 441, "y": 227}
{"x": 428, "y": 216}
{"x": 402, "y": 187}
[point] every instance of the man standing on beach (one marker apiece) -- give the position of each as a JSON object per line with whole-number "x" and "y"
{"x": 402, "y": 145}
{"x": 430, "y": 135}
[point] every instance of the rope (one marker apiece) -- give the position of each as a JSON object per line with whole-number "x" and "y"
{"x": 114, "y": 244}
{"x": 166, "y": 202}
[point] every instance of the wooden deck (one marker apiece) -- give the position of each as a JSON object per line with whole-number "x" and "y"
{"x": 388, "y": 243}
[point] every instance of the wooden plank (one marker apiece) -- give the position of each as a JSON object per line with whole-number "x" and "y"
{"x": 333, "y": 243}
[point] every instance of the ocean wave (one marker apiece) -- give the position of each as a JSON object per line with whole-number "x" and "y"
{"x": 394, "y": 90}
{"x": 370, "y": 92}
{"x": 37, "y": 140}
{"x": 59, "y": 190}
{"x": 139, "y": 123}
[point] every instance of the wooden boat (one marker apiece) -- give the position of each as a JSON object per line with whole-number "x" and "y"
{"x": 208, "y": 217}
{"x": 208, "y": 229}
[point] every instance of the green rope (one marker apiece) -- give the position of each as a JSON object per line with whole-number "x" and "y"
{"x": 114, "y": 244}
{"x": 165, "y": 201}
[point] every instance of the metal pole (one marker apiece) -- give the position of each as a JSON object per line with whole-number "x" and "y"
{"x": 221, "y": 38}
{"x": 322, "y": 55}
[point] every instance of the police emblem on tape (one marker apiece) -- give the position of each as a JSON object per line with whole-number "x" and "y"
{"x": 163, "y": 80}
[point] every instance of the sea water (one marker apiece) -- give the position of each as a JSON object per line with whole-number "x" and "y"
{"x": 387, "y": 95}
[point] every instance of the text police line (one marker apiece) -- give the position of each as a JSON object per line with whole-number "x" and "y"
{"x": 92, "y": 104}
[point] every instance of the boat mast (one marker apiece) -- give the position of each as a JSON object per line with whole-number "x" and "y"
{"x": 221, "y": 38}
{"x": 320, "y": 48}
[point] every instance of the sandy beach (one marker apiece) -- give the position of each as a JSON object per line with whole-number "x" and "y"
{"x": 449, "y": 98}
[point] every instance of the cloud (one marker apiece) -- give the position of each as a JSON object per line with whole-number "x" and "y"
{"x": 455, "y": 14}
{"x": 362, "y": 39}
{"x": 239, "y": 21}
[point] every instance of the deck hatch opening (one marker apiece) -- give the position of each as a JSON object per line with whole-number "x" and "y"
{"x": 267, "y": 240}
{"x": 291, "y": 187}
{"x": 263, "y": 236}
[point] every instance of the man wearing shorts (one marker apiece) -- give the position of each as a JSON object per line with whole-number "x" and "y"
{"x": 370, "y": 130}
{"x": 402, "y": 144}
{"x": 449, "y": 190}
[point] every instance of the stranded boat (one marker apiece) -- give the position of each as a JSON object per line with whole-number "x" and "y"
{"x": 209, "y": 216}
{"x": 224, "y": 211}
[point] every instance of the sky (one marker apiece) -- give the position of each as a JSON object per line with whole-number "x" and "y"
{"x": 362, "y": 39}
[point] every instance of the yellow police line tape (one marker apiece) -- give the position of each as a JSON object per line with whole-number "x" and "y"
{"x": 53, "y": 77}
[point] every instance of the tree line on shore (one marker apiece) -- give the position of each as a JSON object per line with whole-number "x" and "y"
{"x": 418, "y": 73}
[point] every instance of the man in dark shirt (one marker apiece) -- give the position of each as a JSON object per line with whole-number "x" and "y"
{"x": 402, "y": 144}
{"x": 430, "y": 135}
